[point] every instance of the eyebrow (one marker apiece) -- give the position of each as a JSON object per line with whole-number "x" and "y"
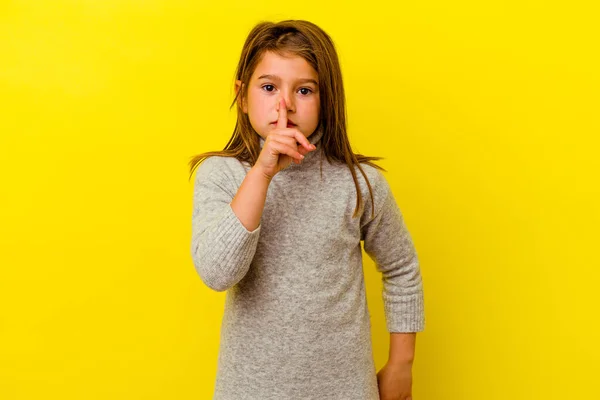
{"x": 276, "y": 78}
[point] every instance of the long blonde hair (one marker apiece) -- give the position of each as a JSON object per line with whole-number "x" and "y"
{"x": 307, "y": 40}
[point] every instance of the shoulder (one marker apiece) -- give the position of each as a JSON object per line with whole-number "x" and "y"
{"x": 220, "y": 163}
{"x": 380, "y": 189}
{"x": 377, "y": 179}
{"x": 224, "y": 170}
{"x": 223, "y": 164}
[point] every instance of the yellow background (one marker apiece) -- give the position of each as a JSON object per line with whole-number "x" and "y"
{"x": 486, "y": 112}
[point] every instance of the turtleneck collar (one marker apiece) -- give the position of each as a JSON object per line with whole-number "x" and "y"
{"x": 314, "y": 138}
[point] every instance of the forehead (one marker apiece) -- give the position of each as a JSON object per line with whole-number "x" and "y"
{"x": 287, "y": 68}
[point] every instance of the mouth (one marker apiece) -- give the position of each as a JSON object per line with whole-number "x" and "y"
{"x": 289, "y": 124}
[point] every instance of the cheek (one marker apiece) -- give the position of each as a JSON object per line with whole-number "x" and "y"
{"x": 315, "y": 104}
{"x": 309, "y": 106}
{"x": 258, "y": 105}
{"x": 313, "y": 108}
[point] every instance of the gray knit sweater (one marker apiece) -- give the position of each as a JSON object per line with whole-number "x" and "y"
{"x": 296, "y": 323}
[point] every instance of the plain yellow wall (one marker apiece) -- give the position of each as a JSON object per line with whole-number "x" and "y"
{"x": 487, "y": 114}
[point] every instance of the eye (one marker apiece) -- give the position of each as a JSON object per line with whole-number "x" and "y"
{"x": 265, "y": 87}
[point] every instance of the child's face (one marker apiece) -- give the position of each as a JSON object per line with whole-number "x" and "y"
{"x": 286, "y": 80}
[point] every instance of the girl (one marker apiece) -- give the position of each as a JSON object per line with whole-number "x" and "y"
{"x": 283, "y": 239}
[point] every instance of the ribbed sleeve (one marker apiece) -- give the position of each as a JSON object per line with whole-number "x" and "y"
{"x": 388, "y": 242}
{"x": 221, "y": 247}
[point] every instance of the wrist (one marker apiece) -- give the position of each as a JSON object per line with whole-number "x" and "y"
{"x": 260, "y": 174}
{"x": 400, "y": 361}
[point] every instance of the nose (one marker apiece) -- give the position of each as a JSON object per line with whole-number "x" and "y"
{"x": 288, "y": 102}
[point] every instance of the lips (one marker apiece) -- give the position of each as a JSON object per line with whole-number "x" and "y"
{"x": 289, "y": 123}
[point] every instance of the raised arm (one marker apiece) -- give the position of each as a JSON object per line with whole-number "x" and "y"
{"x": 225, "y": 223}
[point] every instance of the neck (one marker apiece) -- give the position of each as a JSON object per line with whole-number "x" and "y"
{"x": 314, "y": 138}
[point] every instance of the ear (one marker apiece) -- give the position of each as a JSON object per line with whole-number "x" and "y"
{"x": 241, "y": 101}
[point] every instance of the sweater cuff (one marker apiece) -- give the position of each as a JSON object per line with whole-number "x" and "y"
{"x": 405, "y": 314}
{"x": 233, "y": 249}
{"x": 234, "y": 241}
{"x": 237, "y": 224}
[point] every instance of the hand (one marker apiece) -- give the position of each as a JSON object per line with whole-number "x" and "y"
{"x": 395, "y": 381}
{"x": 281, "y": 146}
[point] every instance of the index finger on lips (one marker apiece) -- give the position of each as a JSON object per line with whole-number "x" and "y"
{"x": 282, "y": 120}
